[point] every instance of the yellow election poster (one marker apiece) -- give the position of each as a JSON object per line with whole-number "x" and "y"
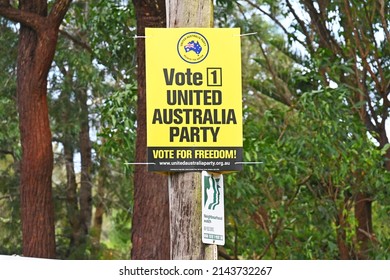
{"x": 193, "y": 99}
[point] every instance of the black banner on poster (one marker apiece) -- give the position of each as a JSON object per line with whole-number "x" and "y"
{"x": 194, "y": 159}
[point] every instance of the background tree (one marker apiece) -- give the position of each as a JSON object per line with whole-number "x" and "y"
{"x": 92, "y": 33}
{"x": 326, "y": 60}
{"x": 37, "y": 42}
{"x": 315, "y": 151}
{"x": 150, "y": 227}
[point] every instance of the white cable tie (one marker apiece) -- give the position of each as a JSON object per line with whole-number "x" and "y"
{"x": 246, "y": 34}
{"x": 140, "y": 37}
{"x": 248, "y": 162}
{"x": 139, "y": 163}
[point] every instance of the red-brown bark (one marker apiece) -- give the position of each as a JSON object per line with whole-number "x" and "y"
{"x": 341, "y": 234}
{"x": 150, "y": 226}
{"x": 364, "y": 231}
{"x": 37, "y": 43}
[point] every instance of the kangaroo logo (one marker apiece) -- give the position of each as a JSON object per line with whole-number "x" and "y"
{"x": 212, "y": 193}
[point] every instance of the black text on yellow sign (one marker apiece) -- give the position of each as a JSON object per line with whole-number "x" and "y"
{"x": 197, "y": 118}
{"x": 193, "y": 99}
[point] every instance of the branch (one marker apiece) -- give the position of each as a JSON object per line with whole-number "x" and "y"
{"x": 32, "y": 20}
{"x": 376, "y": 55}
{"x": 5, "y": 152}
{"x": 282, "y": 88}
{"x": 58, "y": 11}
{"x": 76, "y": 40}
{"x": 283, "y": 92}
{"x": 383, "y": 19}
{"x": 6, "y": 197}
{"x": 325, "y": 37}
{"x": 280, "y": 220}
{"x": 223, "y": 254}
{"x": 360, "y": 39}
{"x": 257, "y": 7}
{"x": 309, "y": 41}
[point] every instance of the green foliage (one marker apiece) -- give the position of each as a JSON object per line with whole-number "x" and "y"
{"x": 314, "y": 158}
{"x": 314, "y": 151}
{"x": 108, "y": 28}
{"x": 95, "y": 57}
{"x": 10, "y": 150}
{"x": 119, "y": 124}
{"x": 117, "y": 240}
{"x": 8, "y": 112}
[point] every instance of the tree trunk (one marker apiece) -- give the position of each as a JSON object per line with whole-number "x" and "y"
{"x": 37, "y": 159}
{"x": 341, "y": 234}
{"x": 364, "y": 230}
{"x": 97, "y": 225}
{"x": 37, "y": 156}
{"x": 86, "y": 166}
{"x": 186, "y": 218}
{"x": 185, "y": 188}
{"x": 37, "y": 43}
{"x": 71, "y": 196}
{"x": 72, "y": 203}
{"x": 150, "y": 226}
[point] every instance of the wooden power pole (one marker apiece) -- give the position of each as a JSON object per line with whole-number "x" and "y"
{"x": 185, "y": 188}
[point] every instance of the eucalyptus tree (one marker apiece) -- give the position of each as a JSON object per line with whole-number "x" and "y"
{"x": 336, "y": 47}
{"x": 150, "y": 226}
{"x": 37, "y": 42}
{"x": 347, "y": 43}
{"x": 92, "y": 103}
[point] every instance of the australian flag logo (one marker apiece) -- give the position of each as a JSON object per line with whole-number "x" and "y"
{"x": 193, "y": 46}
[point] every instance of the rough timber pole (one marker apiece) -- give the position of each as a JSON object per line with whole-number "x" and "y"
{"x": 185, "y": 187}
